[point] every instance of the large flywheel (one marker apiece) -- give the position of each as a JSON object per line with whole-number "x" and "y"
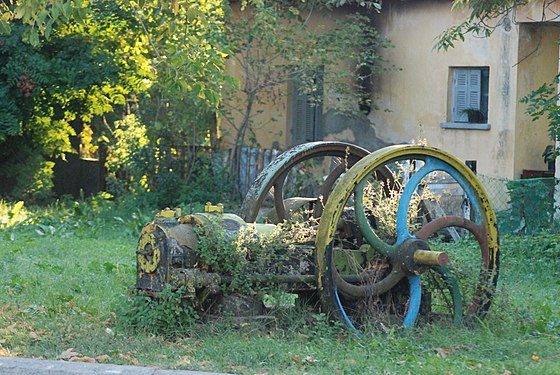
{"x": 399, "y": 247}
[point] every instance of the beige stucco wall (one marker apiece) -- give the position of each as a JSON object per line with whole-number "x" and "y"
{"x": 417, "y": 96}
{"x": 538, "y": 63}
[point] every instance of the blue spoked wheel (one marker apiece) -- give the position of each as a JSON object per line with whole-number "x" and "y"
{"x": 378, "y": 256}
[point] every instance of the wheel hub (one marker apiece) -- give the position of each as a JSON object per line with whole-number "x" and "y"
{"x": 415, "y": 257}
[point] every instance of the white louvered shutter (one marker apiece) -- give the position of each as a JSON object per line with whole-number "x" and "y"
{"x": 466, "y": 92}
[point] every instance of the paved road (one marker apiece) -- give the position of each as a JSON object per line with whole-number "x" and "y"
{"x": 25, "y": 366}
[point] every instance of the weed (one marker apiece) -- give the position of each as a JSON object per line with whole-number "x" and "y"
{"x": 165, "y": 315}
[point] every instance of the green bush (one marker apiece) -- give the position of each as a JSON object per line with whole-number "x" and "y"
{"x": 531, "y": 207}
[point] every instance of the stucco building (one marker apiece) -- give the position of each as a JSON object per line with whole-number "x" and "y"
{"x": 427, "y": 98}
{"x": 429, "y": 94}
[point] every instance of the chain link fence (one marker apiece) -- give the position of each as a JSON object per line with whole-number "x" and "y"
{"x": 497, "y": 190}
{"x": 524, "y": 206}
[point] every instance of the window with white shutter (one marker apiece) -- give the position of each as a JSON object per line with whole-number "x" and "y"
{"x": 469, "y": 95}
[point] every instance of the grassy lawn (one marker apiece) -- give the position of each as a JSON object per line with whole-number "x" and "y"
{"x": 66, "y": 274}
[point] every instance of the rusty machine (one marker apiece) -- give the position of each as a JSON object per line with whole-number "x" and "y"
{"x": 373, "y": 238}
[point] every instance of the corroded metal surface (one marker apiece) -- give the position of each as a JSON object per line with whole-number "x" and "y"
{"x": 275, "y": 173}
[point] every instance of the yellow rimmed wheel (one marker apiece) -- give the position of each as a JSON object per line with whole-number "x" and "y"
{"x": 396, "y": 248}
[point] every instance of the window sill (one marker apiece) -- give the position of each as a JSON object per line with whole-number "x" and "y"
{"x": 464, "y": 126}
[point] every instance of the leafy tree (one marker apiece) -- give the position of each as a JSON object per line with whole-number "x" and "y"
{"x": 163, "y": 61}
{"x": 273, "y": 43}
{"x": 485, "y": 16}
{"x": 42, "y": 16}
{"x": 51, "y": 92}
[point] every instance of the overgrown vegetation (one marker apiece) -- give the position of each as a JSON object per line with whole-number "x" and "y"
{"x": 72, "y": 291}
{"x": 115, "y": 81}
{"x": 140, "y": 85}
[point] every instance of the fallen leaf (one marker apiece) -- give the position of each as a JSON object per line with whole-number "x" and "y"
{"x": 129, "y": 357}
{"x": 68, "y": 354}
{"x": 443, "y": 352}
{"x": 309, "y": 359}
{"x": 83, "y": 359}
{"x": 34, "y": 336}
{"x": 535, "y": 357}
{"x": 507, "y": 372}
{"x": 296, "y": 358}
{"x": 102, "y": 358}
{"x": 5, "y": 352}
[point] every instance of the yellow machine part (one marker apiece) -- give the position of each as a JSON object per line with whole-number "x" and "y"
{"x": 148, "y": 262}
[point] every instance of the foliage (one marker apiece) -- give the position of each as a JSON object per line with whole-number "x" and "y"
{"x": 108, "y": 54}
{"x": 165, "y": 315}
{"x": 53, "y": 91}
{"x": 208, "y": 182}
{"x": 531, "y": 207}
{"x": 40, "y": 15}
{"x": 129, "y": 159}
{"x": 81, "y": 72}
{"x": 273, "y": 43}
{"x": 248, "y": 252}
{"x": 159, "y": 171}
{"x": 30, "y": 174}
{"x": 187, "y": 41}
{"x": 484, "y": 17}
{"x": 189, "y": 50}
{"x": 384, "y": 207}
{"x": 88, "y": 64}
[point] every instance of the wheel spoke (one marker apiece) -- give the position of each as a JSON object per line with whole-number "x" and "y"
{"x": 279, "y": 198}
{"x": 415, "y": 299}
{"x": 363, "y": 222}
{"x": 406, "y": 196}
{"x": 456, "y": 298}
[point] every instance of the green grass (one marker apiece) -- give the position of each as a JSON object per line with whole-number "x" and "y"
{"x": 66, "y": 273}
